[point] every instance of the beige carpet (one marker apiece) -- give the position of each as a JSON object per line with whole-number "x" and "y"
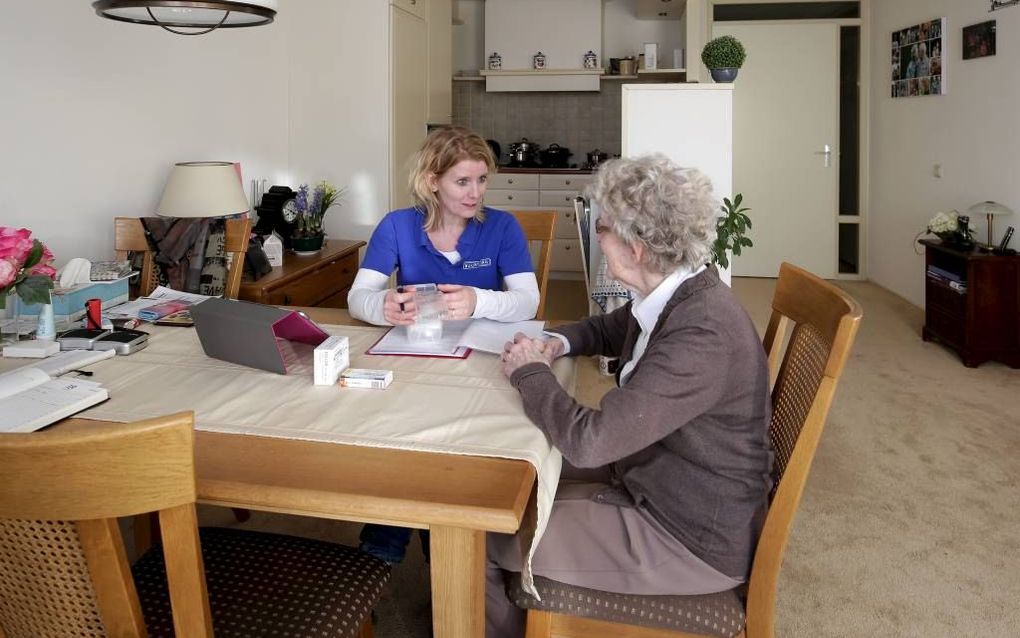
{"x": 910, "y": 524}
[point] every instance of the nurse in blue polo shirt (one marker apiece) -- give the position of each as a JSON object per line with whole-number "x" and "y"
{"x": 477, "y": 255}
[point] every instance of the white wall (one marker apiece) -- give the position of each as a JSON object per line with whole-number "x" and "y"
{"x": 95, "y": 113}
{"x": 339, "y": 106}
{"x": 972, "y": 132}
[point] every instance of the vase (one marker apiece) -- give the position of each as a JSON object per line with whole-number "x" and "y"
{"x": 11, "y": 316}
{"x": 308, "y": 245}
{"x": 724, "y": 75}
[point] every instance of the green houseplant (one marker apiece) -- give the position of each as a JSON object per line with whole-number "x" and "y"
{"x": 310, "y": 206}
{"x": 731, "y": 230}
{"x": 723, "y": 56}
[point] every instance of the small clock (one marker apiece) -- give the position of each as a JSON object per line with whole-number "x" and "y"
{"x": 271, "y": 215}
{"x": 290, "y": 211}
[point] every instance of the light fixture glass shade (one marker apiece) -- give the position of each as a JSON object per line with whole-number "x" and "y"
{"x": 202, "y": 189}
{"x": 989, "y": 209}
{"x": 180, "y": 13}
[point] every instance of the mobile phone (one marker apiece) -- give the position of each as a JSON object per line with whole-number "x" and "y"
{"x": 80, "y": 338}
{"x": 122, "y": 341}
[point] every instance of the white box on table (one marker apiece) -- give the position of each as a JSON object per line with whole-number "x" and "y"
{"x": 332, "y": 357}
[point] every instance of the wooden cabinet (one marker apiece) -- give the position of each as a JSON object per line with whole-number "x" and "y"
{"x": 322, "y": 279}
{"x": 408, "y": 92}
{"x": 440, "y": 82}
{"x": 972, "y": 303}
{"x": 546, "y": 191}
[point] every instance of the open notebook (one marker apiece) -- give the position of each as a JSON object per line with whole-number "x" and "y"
{"x": 31, "y": 399}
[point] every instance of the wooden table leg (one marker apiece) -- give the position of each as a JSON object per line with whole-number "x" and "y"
{"x": 458, "y": 582}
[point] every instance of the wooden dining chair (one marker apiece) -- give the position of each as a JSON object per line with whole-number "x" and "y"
{"x": 539, "y": 226}
{"x": 64, "y": 570}
{"x": 129, "y": 236}
{"x": 825, "y": 321}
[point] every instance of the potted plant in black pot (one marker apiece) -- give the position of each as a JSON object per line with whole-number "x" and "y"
{"x": 731, "y": 229}
{"x": 311, "y": 206}
{"x": 723, "y": 56}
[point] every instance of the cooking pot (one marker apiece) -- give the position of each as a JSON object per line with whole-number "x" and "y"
{"x": 628, "y": 66}
{"x": 523, "y": 152}
{"x": 555, "y": 156}
{"x": 596, "y": 157}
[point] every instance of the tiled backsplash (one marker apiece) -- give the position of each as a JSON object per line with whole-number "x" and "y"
{"x": 580, "y": 121}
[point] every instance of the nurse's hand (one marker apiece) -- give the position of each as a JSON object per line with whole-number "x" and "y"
{"x": 459, "y": 300}
{"x": 399, "y": 308}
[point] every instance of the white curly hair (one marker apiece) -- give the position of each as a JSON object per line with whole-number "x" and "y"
{"x": 670, "y": 210}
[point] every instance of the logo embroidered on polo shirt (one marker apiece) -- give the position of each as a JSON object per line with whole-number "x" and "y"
{"x": 478, "y": 263}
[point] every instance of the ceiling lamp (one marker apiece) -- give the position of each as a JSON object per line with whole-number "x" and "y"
{"x": 173, "y": 15}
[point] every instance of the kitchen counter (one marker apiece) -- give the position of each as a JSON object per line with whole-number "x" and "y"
{"x": 547, "y": 171}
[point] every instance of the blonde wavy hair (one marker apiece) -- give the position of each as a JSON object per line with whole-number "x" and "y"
{"x": 669, "y": 209}
{"x": 443, "y": 149}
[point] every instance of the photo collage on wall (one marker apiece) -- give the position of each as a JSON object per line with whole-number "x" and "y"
{"x": 917, "y": 59}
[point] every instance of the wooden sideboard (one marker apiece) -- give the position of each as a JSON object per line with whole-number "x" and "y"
{"x": 322, "y": 279}
{"x": 975, "y": 307}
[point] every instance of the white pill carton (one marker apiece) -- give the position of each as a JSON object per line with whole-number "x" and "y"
{"x": 331, "y": 357}
{"x": 365, "y": 378}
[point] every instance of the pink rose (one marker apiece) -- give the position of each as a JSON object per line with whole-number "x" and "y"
{"x": 15, "y": 244}
{"x": 47, "y": 256}
{"x": 8, "y": 272}
{"x": 43, "y": 269}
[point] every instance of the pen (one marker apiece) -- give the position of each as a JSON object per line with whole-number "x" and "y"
{"x": 401, "y": 289}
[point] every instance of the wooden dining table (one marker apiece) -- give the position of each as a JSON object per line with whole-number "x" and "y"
{"x": 457, "y": 497}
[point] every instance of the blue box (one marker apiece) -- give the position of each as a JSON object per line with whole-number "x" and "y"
{"x": 69, "y": 303}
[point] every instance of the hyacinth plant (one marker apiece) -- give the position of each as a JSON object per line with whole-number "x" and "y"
{"x": 26, "y": 266}
{"x": 312, "y": 205}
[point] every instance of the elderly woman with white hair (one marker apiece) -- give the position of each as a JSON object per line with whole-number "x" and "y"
{"x": 665, "y": 484}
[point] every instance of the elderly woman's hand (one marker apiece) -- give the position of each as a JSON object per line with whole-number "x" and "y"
{"x": 524, "y": 350}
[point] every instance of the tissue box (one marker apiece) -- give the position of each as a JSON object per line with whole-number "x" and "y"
{"x": 69, "y": 303}
{"x": 331, "y": 357}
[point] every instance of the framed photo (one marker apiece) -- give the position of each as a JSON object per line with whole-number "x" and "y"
{"x": 979, "y": 40}
{"x": 917, "y": 60}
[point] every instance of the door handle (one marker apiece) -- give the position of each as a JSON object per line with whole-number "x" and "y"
{"x": 827, "y": 152}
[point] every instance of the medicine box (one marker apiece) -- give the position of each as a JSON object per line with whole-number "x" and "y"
{"x": 651, "y": 56}
{"x": 365, "y": 378}
{"x": 69, "y": 303}
{"x": 331, "y": 357}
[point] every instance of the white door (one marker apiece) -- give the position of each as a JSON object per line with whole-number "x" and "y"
{"x": 408, "y": 76}
{"x": 785, "y": 131}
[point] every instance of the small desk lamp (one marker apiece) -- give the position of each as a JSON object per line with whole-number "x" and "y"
{"x": 989, "y": 210}
{"x": 202, "y": 189}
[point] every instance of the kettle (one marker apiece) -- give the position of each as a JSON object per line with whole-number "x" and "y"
{"x": 523, "y": 152}
{"x": 596, "y": 157}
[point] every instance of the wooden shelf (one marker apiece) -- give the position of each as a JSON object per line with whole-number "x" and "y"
{"x": 513, "y": 72}
{"x": 661, "y": 71}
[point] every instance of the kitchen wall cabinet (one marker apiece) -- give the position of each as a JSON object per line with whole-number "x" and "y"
{"x": 545, "y": 191}
{"x": 414, "y": 7}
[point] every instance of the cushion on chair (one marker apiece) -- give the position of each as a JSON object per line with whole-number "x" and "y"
{"x": 719, "y": 614}
{"x": 263, "y": 584}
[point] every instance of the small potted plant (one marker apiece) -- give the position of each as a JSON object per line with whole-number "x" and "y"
{"x": 731, "y": 229}
{"x": 310, "y": 206}
{"x": 723, "y": 56}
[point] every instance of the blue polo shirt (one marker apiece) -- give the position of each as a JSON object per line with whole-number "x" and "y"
{"x": 489, "y": 251}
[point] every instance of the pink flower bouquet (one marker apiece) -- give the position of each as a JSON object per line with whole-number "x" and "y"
{"x": 25, "y": 266}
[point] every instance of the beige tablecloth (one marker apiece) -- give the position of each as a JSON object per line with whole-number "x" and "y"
{"x": 436, "y": 405}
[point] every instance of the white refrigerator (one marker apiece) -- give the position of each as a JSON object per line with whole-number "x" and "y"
{"x": 692, "y": 124}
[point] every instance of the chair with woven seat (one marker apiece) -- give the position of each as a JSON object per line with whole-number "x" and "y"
{"x": 540, "y": 226}
{"x": 129, "y": 237}
{"x": 825, "y": 321}
{"x": 64, "y": 569}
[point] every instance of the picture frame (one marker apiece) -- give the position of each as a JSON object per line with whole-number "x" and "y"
{"x": 917, "y": 60}
{"x": 979, "y": 40}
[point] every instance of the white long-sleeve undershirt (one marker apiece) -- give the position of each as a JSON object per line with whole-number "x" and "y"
{"x": 518, "y": 302}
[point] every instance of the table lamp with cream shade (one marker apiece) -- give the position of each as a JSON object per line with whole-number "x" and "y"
{"x": 989, "y": 209}
{"x": 203, "y": 189}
